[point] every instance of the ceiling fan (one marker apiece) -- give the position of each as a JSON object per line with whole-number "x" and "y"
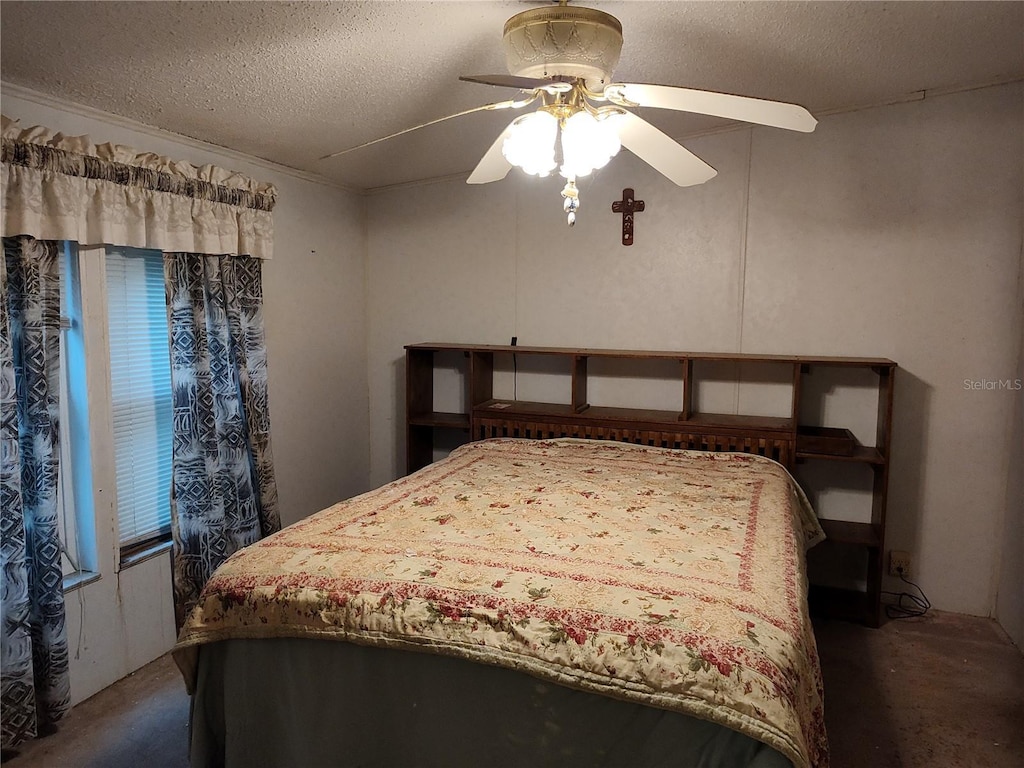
{"x": 561, "y": 58}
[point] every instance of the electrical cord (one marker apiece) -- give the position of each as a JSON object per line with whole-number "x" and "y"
{"x": 908, "y": 605}
{"x": 515, "y": 371}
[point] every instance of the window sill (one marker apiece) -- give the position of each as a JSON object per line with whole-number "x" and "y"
{"x": 148, "y": 553}
{"x": 79, "y": 579}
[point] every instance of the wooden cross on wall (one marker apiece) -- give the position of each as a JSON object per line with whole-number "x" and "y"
{"x": 627, "y": 206}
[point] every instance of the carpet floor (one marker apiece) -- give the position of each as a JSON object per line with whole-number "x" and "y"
{"x": 943, "y": 691}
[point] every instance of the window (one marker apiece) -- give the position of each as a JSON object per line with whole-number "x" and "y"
{"x": 140, "y": 382}
{"x": 116, "y": 412}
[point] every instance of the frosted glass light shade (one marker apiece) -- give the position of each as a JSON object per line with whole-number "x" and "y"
{"x": 587, "y": 144}
{"x": 531, "y": 143}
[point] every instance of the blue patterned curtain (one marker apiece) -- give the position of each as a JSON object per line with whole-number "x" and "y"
{"x": 224, "y": 493}
{"x": 35, "y": 680}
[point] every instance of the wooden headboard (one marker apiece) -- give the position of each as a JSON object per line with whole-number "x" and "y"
{"x": 779, "y": 438}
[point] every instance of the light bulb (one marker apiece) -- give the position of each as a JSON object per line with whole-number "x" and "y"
{"x": 587, "y": 144}
{"x": 530, "y": 144}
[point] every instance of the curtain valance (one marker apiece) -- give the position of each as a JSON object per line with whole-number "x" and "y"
{"x": 56, "y": 187}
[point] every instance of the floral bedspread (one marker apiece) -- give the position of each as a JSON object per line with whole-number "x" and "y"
{"x": 669, "y": 578}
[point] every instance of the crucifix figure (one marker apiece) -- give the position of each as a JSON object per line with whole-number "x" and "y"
{"x": 627, "y": 206}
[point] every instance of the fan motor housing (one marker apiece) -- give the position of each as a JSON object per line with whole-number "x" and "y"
{"x": 559, "y": 40}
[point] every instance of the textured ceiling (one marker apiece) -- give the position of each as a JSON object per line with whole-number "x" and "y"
{"x": 290, "y": 82}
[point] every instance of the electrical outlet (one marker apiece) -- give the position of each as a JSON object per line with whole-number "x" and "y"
{"x": 899, "y": 563}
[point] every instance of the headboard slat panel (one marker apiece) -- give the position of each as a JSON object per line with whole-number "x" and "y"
{"x": 779, "y": 447}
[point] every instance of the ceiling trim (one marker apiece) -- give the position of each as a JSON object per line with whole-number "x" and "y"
{"x": 84, "y": 110}
{"x": 928, "y": 93}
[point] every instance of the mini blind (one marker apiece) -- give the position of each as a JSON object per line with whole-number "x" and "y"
{"x": 140, "y": 379}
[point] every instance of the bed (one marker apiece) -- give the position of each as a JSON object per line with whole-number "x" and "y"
{"x": 539, "y": 602}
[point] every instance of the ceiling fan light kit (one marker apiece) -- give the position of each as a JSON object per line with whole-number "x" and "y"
{"x": 567, "y": 133}
{"x": 564, "y": 58}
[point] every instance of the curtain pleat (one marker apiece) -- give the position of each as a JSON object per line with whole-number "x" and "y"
{"x": 35, "y": 676}
{"x": 57, "y": 187}
{"x": 224, "y": 492}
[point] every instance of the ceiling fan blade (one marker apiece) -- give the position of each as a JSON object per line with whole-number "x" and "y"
{"x": 774, "y": 113}
{"x": 492, "y": 166}
{"x": 510, "y": 104}
{"x": 660, "y": 151}
{"x": 512, "y": 81}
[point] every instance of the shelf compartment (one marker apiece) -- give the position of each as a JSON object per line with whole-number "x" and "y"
{"x": 831, "y": 441}
{"x": 732, "y": 421}
{"x": 845, "y": 532}
{"x": 492, "y": 408}
{"x": 440, "y": 419}
{"x": 863, "y": 454}
{"x": 497, "y": 407}
{"x": 838, "y": 603}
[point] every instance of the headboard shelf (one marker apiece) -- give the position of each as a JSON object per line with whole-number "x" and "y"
{"x": 682, "y": 425}
{"x": 727, "y": 357}
{"x": 440, "y": 419}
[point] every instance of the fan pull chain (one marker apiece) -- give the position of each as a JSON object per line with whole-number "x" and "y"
{"x": 572, "y": 200}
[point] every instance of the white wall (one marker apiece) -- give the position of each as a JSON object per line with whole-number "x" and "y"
{"x": 892, "y": 232}
{"x": 314, "y": 314}
{"x": 1010, "y": 587}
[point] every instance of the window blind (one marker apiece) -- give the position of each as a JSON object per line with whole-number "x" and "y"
{"x": 140, "y": 378}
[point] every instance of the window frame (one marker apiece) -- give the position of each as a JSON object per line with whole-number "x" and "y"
{"x": 75, "y": 500}
{"x": 94, "y": 453}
